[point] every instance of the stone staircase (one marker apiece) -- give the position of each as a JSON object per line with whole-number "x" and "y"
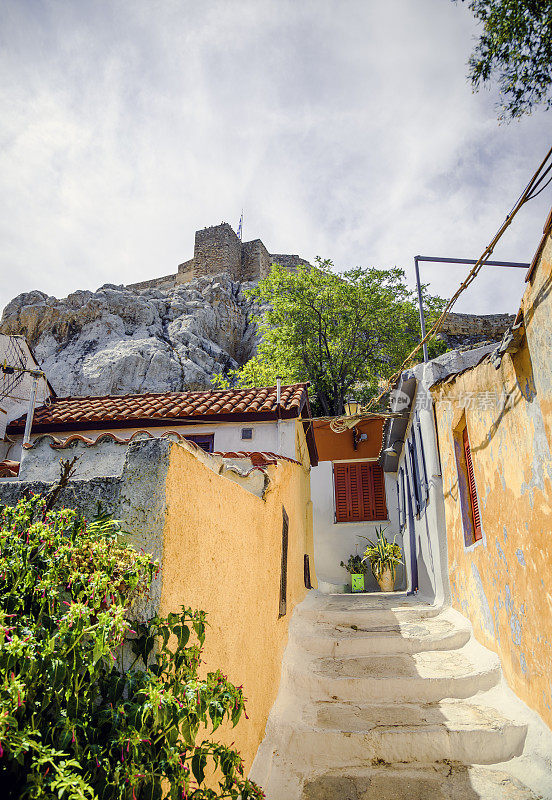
{"x": 385, "y": 697}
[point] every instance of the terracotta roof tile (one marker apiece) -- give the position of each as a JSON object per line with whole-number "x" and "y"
{"x": 80, "y": 413}
{"x": 257, "y": 458}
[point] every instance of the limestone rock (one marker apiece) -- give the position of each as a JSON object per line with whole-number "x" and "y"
{"x": 122, "y": 340}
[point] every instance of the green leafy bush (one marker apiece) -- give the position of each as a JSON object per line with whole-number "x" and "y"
{"x": 355, "y": 565}
{"x": 90, "y": 708}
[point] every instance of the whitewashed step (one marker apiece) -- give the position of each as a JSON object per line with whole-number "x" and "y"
{"x": 449, "y": 630}
{"x": 355, "y": 734}
{"x": 400, "y": 677}
{"x": 396, "y": 782}
{"x": 361, "y": 610}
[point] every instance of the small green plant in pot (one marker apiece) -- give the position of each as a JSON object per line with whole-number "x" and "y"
{"x": 357, "y": 567}
{"x": 383, "y": 556}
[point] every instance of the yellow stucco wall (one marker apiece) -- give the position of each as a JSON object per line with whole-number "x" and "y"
{"x": 222, "y": 553}
{"x": 504, "y": 583}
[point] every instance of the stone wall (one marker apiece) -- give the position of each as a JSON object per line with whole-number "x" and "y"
{"x": 166, "y": 282}
{"x": 217, "y": 532}
{"x": 492, "y": 326}
{"x": 256, "y": 260}
{"x": 216, "y": 250}
{"x": 290, "y": 262}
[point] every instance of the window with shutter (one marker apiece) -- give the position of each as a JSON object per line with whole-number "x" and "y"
{"x": 359, "y": 489}
{"x": 472, "y": 490}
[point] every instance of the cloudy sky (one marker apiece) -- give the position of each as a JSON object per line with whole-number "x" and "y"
{"x": 344, "y": 128}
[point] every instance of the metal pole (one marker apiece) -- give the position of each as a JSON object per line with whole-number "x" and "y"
{"x": 30, "y": 412}
{"x": 440, "y": 260}
{"x": 279, "y": 423}
{"x": 421, "y": 307}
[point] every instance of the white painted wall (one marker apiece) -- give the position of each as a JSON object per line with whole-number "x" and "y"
{"x": 227, "y": 436}
{"x": 430, "y": 528}
{"x": 335, "y": 542}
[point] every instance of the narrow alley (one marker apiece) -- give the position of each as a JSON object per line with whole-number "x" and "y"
{"x": 386, "y": 697}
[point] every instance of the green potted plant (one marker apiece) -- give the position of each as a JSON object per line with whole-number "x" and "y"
{"x": 357, "y": 567}
{"x": 383, "y": 557}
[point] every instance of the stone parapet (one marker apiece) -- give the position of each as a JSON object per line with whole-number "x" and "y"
{"x": 489, "y": 325}
{"x": 166, "y": 282}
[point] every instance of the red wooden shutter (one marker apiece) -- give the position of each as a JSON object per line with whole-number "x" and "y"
{"x": 359, "y": 492}
{"x": 340, "y": 483}
{"x": 379, "y": 492}
{"x": 355, "y": 487}
{"x": 476, "y": 517}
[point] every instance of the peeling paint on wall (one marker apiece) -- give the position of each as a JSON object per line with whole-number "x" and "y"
{"x": 505, "y": 587}
{"x": 487, "y": 617}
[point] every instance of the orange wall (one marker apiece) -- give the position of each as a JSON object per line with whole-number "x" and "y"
{"x": 339, "y": 446}
{"x": 503, "y": 584}
{"x": 222, "y": 553}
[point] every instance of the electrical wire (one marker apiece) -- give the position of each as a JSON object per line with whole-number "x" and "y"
{"x": 523, "y": 198}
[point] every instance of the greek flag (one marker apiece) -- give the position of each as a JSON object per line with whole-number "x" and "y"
{"x": 240, "y": 227}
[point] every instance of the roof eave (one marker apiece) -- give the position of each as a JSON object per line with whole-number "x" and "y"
{"x": 154, "y": 422}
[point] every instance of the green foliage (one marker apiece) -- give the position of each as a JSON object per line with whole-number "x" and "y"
{"x": 88, "y": 707}
{"x": 355, "y": 565}
{"x": 343, "y": 333}
{"x": 516, "y": 48}
{"x": 382, "y": 554}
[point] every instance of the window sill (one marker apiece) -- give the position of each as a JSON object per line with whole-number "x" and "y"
{"x": 362, "y": 521}
{"x": 468, "y": 548}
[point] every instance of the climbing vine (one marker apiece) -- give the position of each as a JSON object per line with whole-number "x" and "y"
{"x": 90, "y": 706}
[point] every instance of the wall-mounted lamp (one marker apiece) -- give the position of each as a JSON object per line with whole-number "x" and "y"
{"x": 352, "y": 407}
{"x": 358, "y": 437}
{"x": 393, "y": 449}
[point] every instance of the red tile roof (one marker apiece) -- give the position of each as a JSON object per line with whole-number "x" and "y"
{"x": 123, "y": 411}
{"x": 257, "y": 458}
{"x": 9, "y": 469}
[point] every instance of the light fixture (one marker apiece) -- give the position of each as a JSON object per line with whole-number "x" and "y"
{"x": 393, "y": 449}
{"x": 352, "y": 407}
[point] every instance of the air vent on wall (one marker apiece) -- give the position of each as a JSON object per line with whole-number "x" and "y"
{"x": 247, "y": 433}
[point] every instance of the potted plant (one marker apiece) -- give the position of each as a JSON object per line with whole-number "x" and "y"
{"x": 357, "y": 567}
{"x": 383, "y": 556}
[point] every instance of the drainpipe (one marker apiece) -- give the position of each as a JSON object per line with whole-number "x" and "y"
{"x": 30, "y": 412}
{"x": 279, "y": 423}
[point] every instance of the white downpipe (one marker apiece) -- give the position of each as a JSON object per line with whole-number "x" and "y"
{"x": 279, "y": 423}
{"x": 30, "y": 413}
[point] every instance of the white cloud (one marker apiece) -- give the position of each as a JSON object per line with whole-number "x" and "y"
{"x": 344, "y": 128}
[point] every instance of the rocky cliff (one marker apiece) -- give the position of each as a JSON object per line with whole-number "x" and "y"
{"x": 124, "y": 340}
{"x": 121, "y": 340}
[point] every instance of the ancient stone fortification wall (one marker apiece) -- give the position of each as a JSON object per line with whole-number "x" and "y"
{"x": 166, "y": 282}
{"x": 256, "y": 260}
{"x": 503, "y": 582}
{"x": 490, "y": 325}
{"x": 218, "y": 249}
{"x": 291, "y": 262}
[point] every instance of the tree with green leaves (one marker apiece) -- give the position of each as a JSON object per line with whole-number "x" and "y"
{"x": 343, "y": 333}
{"x": 515, "y": 47}
{"x": 93, "y": 706}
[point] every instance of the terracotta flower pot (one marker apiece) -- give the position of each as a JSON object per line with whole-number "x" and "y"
{"x": 386, "y": 581}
